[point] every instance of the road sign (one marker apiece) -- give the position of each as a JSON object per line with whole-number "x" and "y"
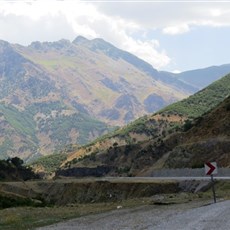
{"x": 210, "y": 168}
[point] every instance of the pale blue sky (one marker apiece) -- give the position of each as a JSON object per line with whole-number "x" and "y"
{"x": 199, "y": 48}
{"x": 170, "y": 35}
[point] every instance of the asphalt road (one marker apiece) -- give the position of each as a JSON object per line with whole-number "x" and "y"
{"x": 149, "y": 179}
{"x": 173, "y": 217}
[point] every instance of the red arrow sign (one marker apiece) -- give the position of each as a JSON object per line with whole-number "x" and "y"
{"x": 210, "y": 168}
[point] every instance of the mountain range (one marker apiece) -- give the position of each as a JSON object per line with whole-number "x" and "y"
{"x": 57, "y": 93}
{"x": 184, "y": 134}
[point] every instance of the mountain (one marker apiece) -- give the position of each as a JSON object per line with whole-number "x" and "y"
{"x": 201, "y": 78}
{"x": 207, "y": 140}
{"x": 112, "y": 85}
{"x": 35, "y": 116}
{"x": 190, "y": 132}
{"x": 54, "y": 93}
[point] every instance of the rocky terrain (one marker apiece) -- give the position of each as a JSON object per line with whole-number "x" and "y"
{"x": 183, "y": 135}
{"x": 54, "y": 94}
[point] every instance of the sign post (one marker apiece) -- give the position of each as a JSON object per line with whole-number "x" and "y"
{"x": 213, "y": 189}
{"x": 211, "y": 169}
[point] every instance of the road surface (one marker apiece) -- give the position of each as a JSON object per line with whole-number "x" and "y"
{"x": 152, "y": 217}
{"x": 149, "y": 179}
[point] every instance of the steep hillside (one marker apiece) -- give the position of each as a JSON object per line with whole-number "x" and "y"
{"x": 199, "y": 103}
{"x": 112, "y": 85}
{"x": 35, "y": 117}
{"x": 176, "y": 117}
{"x": 52, "y": 93}
{"x": 207, "y": 140}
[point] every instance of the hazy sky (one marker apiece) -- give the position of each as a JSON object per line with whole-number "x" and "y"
{"x": 170, "y": 35}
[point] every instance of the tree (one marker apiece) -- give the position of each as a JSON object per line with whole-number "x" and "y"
{"x": 17, "y": 161}
{"x": 187, "y": 125}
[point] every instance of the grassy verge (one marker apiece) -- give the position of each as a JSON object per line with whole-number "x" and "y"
{"x": 222, "y": 190}
{"x": 22, "y": 218}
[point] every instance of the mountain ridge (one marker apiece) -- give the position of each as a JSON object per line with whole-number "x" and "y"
{"x": 154, "y": 142}
{"x": 60, "y": 93}
{"x": 198, "y": 78}
{"x": 113, "y": 83}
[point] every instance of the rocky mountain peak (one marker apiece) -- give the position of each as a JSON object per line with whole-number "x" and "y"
{"x": 80, "y": 40}
{"x": 45, "y": 46}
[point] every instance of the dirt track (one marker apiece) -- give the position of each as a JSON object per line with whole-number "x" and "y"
{"x": 172, "y": 217}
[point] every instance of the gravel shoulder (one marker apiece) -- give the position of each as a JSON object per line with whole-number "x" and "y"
{"x": 189, "y": 216}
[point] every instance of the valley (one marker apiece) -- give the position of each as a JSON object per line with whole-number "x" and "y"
{"x": 184, "y": 134}
{"x": 114, "y": 115}
{"x": 59, "y": 93}
{"x": 54, "y": 94}
{"x": 87, "y": 128}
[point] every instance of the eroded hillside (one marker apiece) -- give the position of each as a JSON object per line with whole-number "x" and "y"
{"x": 53, "y": 93}
{"x": 145, "y": 138}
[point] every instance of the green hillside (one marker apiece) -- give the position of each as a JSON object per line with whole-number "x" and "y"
{"x": 150, "y": 131}
{"x": 203, "y": 101}
{"x": 39, "y": 118}
{"x": 162, "y": 122}
{"x": 22, "y": 122}
{"x": 208, "y": 139}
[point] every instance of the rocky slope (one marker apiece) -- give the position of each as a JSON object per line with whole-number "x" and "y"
{"x": 53, "y": 93}
{"x": 35, "y": 116}
{"x": 207, "y": 140}
{"x": 170, "y": 138}
{"x": 110, "y": 84}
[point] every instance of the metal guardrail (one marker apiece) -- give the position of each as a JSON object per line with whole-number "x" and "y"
{"x": 187, "y": 172}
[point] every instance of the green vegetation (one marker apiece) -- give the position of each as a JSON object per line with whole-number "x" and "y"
{"x": 180, "y": 116}
{"x": 126, "y": 195}
{"x": 52, "y": 118}
{"x": 22, "y": 122}
{"x": 7, "y": 202}
{"x": 45, "y": 107}
{"x": 13, "y": 169}
{"x": 51, "y": 162}
{"x": 22, "y": 218}
{"x": 203, "y": 101}
{"x": 60, "y": 124}
{"x": 191, "y": 107}
{"x": 138, "y": 126}
{"x": 5, "y": 146}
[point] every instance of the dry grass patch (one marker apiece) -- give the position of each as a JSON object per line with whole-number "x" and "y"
{"x": 22, "y": 218}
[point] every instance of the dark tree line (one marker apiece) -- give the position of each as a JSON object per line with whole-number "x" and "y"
{"x": 14, "y": 169}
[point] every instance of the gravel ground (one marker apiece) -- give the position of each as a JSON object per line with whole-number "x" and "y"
{"x": 170, "y": 217}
